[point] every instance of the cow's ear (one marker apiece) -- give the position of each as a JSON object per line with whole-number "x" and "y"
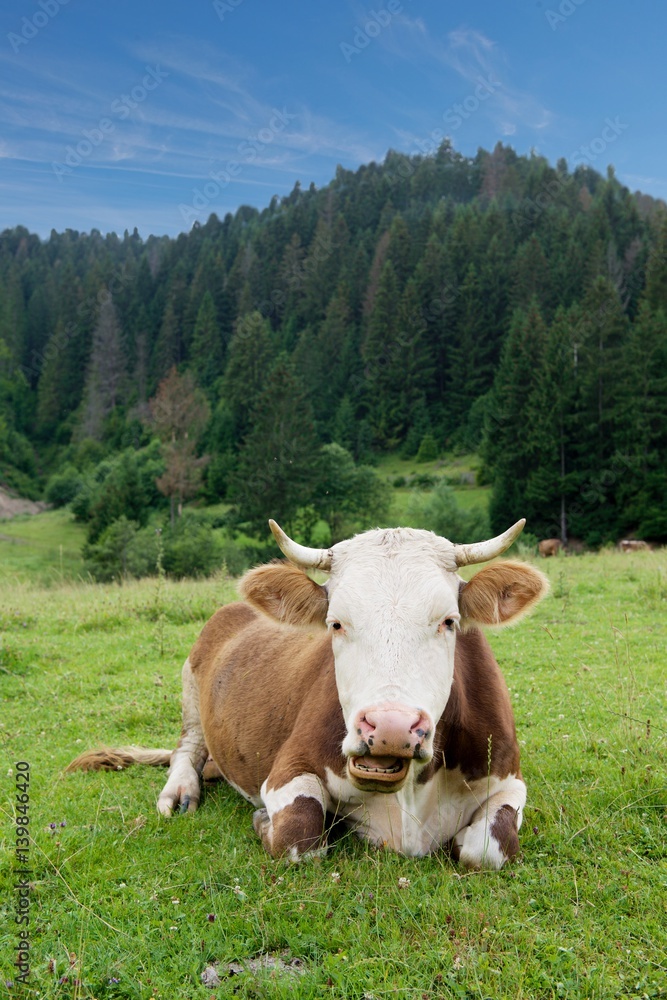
{"x": 285, "y": 593}
{"x": 501, "y": 594}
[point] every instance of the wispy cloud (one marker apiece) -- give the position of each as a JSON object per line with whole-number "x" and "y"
{"x": 473, "y": 56}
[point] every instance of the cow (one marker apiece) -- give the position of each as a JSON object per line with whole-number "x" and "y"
{"x": 549, "y": 547}
{"x": 373, "y": 699}
{"x": 633, "y": 545}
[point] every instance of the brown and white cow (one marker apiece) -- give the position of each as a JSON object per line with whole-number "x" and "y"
{"x": 549, "y": 547}
{"x": 633, "y": 545}
{"x": 373, "y": 699}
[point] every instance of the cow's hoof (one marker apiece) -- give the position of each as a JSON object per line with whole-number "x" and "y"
{"x": 261, "y": 822}
{"x": 177, "y": 801}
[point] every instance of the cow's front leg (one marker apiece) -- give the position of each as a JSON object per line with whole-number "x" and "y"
{"x": 492, "y": 836}
{"x": 293, "y": 821}
{"x": 187, "y": 761}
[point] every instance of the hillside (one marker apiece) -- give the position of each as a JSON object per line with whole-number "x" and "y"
{"x": 495, "y": 304}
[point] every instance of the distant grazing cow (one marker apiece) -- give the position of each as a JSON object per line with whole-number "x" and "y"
{"x": 549, "y": 547}
{"x": 633, "y": 545}
{"x": 373, "y": 699}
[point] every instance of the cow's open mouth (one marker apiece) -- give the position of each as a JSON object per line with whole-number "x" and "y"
{"x": 388, "y": 771}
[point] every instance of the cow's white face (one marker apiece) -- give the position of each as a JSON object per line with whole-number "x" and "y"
{"x": 393, "y": 615}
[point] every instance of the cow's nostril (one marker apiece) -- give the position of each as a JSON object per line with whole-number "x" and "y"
{"x": 420, "y": 727}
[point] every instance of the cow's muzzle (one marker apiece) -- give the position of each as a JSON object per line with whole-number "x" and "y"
{"x": 388, "y": 738}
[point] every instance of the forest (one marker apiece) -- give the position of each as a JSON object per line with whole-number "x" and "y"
{"x": 259, "y": 365}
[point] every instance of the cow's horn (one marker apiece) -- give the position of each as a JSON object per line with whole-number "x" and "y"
{"x": 301, "y": 555}
{"x": 478, "y": 552}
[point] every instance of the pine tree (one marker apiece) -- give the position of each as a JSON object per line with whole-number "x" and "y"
{"x": 206, "y": 352}
{"x": 107, "y": 371}
{"x": 656, "y": 268}
{"x": 550, "y": 434}
{"x": 167, "y": 350}
{"x": 278, "y": 458}
{"x": 641, "y": 427}
{"x": 250, "y": 359}
{"x": 509, "y": 459}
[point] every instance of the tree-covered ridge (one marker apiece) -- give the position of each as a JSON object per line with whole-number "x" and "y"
{"x": 495, "y": 303}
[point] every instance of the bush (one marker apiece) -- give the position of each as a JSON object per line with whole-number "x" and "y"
{"x": 440, "y": 512}
{"x": 428, "y": 449}
{"x": 63, "y": 486}
{"x": 121, "y": 552}
{"x": 191, "y": 547}
{"x": 424, "y": 481}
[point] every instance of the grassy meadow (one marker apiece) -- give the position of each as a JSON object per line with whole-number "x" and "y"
{"x": 124, "y": 903}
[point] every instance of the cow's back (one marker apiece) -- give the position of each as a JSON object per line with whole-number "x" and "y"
{"x": 261, "y": 686}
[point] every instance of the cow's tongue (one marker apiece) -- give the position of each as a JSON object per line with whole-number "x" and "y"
{"x": 381, "y": 764}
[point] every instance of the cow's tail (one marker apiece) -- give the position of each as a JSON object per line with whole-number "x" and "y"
{"x": 117, "y": 759}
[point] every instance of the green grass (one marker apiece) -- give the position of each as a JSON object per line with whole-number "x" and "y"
{"x": 46, "y": 546}
{"x": 119, "y": 893}
{"x": 455, "y": 466}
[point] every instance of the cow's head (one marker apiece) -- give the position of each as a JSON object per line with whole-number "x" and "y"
{"x": 394, "y": 603}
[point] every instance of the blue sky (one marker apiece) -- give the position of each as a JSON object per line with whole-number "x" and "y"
{"x": 119, "y": 114}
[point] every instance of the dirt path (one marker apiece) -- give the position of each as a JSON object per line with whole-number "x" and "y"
{"x": 12, "y": 506}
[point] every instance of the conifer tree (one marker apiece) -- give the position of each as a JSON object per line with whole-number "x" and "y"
{"x": 167, "y": 347}
{"x": 206, "y": 352}
{"x": 278, "y": 459}
{"x": 250, "y": 359}
{"x": 107, "y": 370}
{"x": 508, "y": 457}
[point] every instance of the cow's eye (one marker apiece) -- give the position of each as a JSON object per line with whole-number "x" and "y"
{"x": 336, "y": 626}
{"x": 449, "y": 624}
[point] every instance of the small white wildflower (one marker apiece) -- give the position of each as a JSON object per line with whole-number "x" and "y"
{"x": 335, "y": 876}
{"x": 404, "y": 883}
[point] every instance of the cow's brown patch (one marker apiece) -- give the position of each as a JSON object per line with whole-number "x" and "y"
{"x": 476, "y": 732}
{"x": 504, "y": 830}
{"x": 501, "y": 593}
{"x": 286, "y": 593}
{"x": 298, "y": 828}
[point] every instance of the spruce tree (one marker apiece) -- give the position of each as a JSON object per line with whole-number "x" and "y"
{"x": 107, "y": 371}
{"x": 250, "y": 359}
{"x": 206, "y": 350}
{"x": 278, "y": 458}
{"x": 508, "y": 455}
